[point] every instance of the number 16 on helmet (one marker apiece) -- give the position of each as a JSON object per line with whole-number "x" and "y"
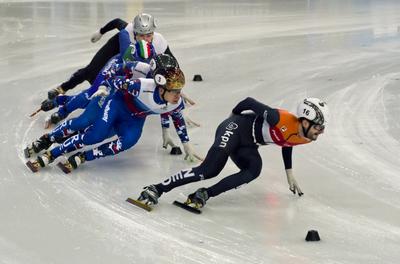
{"x": 314, "y": 110}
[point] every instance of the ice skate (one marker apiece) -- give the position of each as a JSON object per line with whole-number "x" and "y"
{"x": 43, "y": 143}
{"x": 149, "y": 195}
{"x": 194, "y": 202}
{"x": 147, "y": 198}
{"x": 41, "y": 162}
{"x": 52, "y": 94}
{"x": 54, "y": 119}
{"x": 72, "y": 163}
{"x": 198, "y": 198}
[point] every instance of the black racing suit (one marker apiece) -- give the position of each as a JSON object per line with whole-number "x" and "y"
{"x": 234, "y": 138}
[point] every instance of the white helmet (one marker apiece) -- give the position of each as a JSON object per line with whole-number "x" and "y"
{"x": 314, "y": 110}
{"x": 144, "y": 24}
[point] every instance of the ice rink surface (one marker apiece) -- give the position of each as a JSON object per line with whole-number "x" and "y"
{"x": 278, "y": 51}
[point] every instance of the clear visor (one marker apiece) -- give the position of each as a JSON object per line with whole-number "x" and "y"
{"x": 319, "y": 127}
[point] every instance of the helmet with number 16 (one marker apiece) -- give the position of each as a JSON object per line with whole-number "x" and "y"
{"x": 314, "y": 110}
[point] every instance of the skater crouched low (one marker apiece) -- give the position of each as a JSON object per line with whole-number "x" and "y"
{"x": 122, "y": 113}
{"x": 238, "y": 137}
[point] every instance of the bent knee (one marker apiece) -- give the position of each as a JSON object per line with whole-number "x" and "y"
{"x": 250, "y": 176}
{"x": 127, "y": 142}
{"x": 208, "y": 170}
{"x": 255, "y": 170}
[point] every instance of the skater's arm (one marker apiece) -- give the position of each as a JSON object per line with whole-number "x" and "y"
{"x": 121, "y": 83}
{"x": 167, "y": 140}
{"x": 251, "y": 104}
{"x": 95, "y": 86}
{"x": 113, "y": 24}
{"x": 287, "y": 157}
{"x": 136, "y": 69}
{"x": 124, "y": 41}
{"x": 270, "y": 114}
{"x": 104, "y": 79}
{"x": 180, "y": 124}
{"x": 287, "y": 160}
{"x": 165, "y": 120}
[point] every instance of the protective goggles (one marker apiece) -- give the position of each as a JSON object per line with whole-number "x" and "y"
{"x": 318, "y": 127}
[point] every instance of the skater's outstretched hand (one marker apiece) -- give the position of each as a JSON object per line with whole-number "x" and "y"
{"x": 101, "y": 91}
{"x": 167, "y": 140}
{"x": 190, "y": 155}
{"x": 96, "y": 37}
{"x": 293, "y": 186}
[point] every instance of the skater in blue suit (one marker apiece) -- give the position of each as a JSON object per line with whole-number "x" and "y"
{"x": 125, "y": 113}
{"x": 134, "y": 63}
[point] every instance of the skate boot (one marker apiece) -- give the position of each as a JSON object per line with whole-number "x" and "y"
{"x": 198, "y": 198}
{"x": 150, "y": 195}
{"x": 48, "y": 104}
{"x": 72, "y": 163}
{"x": 41, "y": 162}
{"x": 54, "y": 119}
{"x": 52, "y": 94}
{"x": 42, "y": 143}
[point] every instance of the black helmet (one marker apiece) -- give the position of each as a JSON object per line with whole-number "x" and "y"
{"x": 166, "y": 72}
{"x": 163, "y": 61}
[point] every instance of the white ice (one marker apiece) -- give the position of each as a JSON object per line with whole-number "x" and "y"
{"x": 278, "y": 51}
